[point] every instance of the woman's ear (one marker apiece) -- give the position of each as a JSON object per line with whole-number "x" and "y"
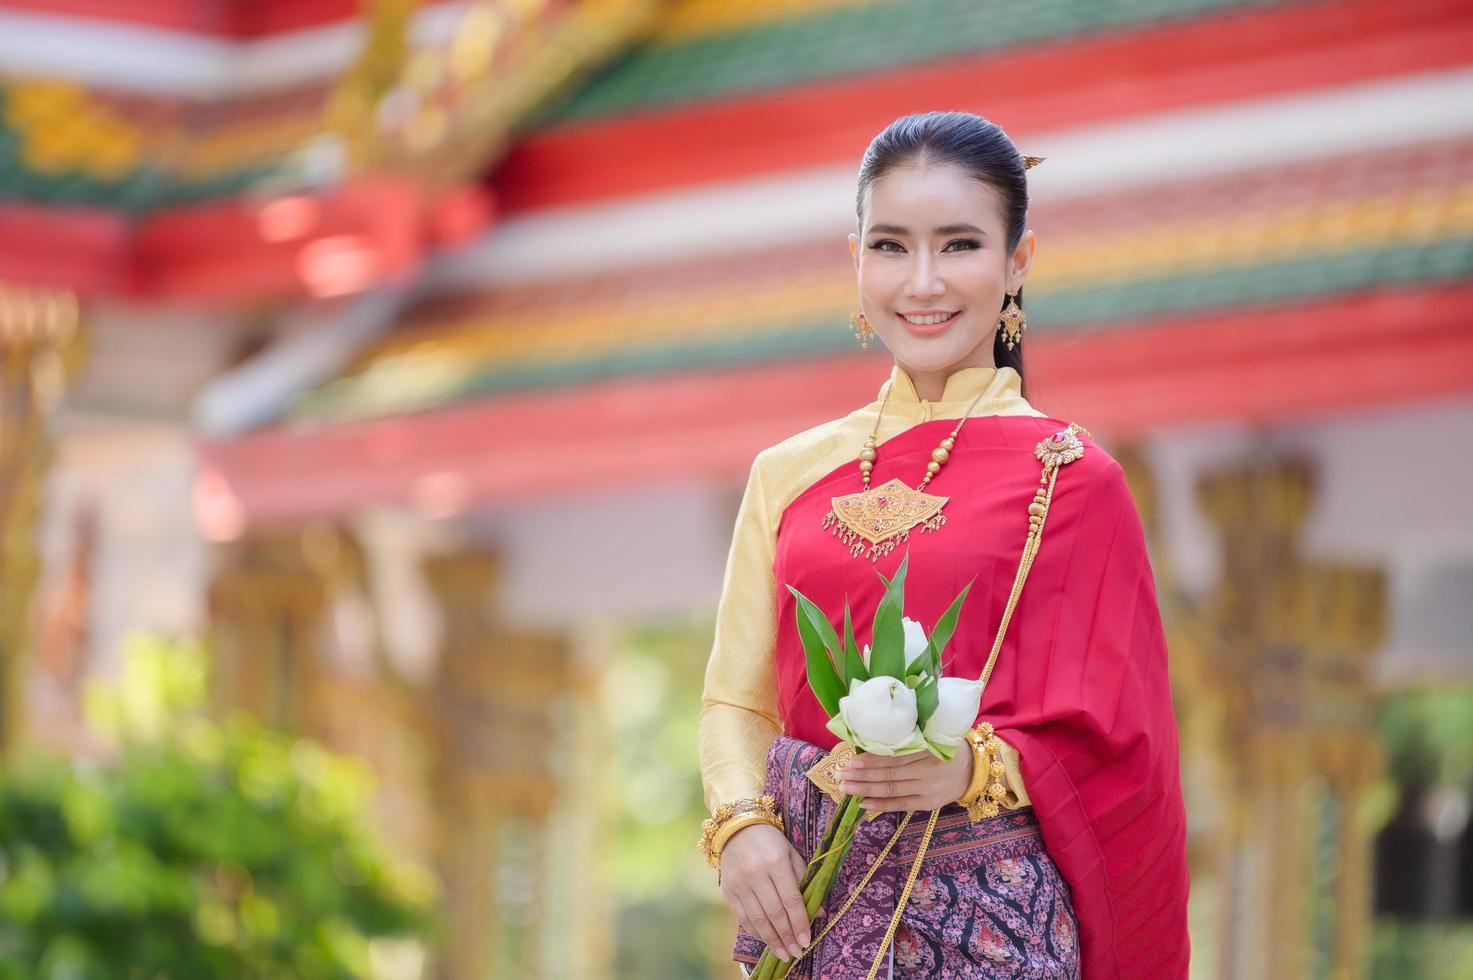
{"x": 854, "y": 250}
{"x": 1022, "y": 260}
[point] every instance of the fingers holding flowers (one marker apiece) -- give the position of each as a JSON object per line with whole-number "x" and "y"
{"x": 917, "y": 781}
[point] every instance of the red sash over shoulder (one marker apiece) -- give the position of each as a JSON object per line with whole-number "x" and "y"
{"x": 1080, "y": 687}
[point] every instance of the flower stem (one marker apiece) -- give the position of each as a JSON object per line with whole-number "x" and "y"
{"x": 819, "y": 878}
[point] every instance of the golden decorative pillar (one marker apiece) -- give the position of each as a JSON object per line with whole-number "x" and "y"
{"x": 485, "y": 760}
{"x": 267, "y": 600}
{"x": 1291, "y": 639}
{"x": 38, "y": 350}
{"x": 511, "y": 712}
{"x": 1269, "y": 678}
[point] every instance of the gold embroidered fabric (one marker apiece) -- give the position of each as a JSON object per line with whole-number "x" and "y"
{"x": 739, "y": 715}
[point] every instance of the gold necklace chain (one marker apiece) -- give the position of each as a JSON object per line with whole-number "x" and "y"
{"x": 939, "y": 455}
{"x": 883, "y": 519}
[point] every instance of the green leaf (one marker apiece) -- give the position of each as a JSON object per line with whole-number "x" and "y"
{"x": 854, "y": 668}
{"x": 887, "y": 652}
{"x": 943, "y": 752}
{"x": 837, "y": 726}
{"x": 921, "y": 665}
{"x": 825, "y": 629}
{"x": 928, "y": 698}
{"x": 945, "y": 627}
{"x": 822, "y": 677}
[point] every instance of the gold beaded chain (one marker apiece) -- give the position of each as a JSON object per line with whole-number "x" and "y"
{"x": 873, "y": 522}
{"x": 939, "y": 455}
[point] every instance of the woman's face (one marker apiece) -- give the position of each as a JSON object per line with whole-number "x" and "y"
{"x": 934, "y": 247}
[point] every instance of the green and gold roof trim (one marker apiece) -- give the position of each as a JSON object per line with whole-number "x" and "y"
{"x": 440, "y": 111}
{"x": 1088, "y": 281}
{"x": 817, "y": 40}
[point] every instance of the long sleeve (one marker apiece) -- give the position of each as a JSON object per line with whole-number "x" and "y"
{"x": 1013, "y": 777}
{"x": 739, "y": 713}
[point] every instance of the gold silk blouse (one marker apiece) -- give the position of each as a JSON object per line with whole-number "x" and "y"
{"x": 739, "y": 716}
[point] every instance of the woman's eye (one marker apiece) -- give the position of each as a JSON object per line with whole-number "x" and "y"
{"x": 968, "y": 242}
{"x": 880, "y": 246}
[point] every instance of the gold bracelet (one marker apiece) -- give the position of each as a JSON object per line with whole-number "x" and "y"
{"x": 986, "y": 792}
{"x": 718, "y": 828}
{"x": 977, "y": 787}
{"x": 729, "y": 829}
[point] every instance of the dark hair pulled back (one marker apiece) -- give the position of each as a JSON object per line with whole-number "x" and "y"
{"x": 977, "y": 145}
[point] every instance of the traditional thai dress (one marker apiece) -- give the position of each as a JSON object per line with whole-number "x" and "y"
{"x": 1087, "y": 875}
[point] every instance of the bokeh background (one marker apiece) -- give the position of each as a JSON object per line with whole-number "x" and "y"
{"x": 378, "y": 381}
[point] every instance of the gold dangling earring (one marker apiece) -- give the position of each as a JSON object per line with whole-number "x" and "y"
{"x": 1011, "y": 322}
{"x": 861, "y": 329}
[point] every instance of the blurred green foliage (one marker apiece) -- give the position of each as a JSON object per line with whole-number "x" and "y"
{"x": 671, "y": 919}
{"x": 1421, "y": 951}
{"x": 1429, "y": 735}
{"x": 196, "y": 850}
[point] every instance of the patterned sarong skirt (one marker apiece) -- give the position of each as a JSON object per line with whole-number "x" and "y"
{"x": 988, "y": 901}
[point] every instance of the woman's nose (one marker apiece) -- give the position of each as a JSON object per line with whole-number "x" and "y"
{"x": 923, "y": 280}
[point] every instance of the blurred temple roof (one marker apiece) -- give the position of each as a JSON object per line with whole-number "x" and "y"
{"x": 1247, "y": 208}
{"x": 142, "y": 144}
{"x": 1205, "y": 157}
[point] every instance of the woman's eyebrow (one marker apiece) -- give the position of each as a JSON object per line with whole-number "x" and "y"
{"x": 961, "y": 229}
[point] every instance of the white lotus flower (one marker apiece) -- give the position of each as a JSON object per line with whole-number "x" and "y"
{"x": 956, "y": 711}
{"x": 915, "y": 642}
{"x": 879, "y": 716}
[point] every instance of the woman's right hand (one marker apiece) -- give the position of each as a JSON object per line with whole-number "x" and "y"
{"x": 760, "y": 875}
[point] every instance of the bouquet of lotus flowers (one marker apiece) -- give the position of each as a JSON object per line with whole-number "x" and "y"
{"x": 889, "y": 699}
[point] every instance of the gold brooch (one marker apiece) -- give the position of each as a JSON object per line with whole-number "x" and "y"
{"x": 1061, "y": 447}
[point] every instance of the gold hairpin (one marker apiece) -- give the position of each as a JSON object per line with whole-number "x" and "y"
{"x": 1032, "y": 161}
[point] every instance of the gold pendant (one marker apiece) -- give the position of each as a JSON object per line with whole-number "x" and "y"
{"x": 825, "y": 772}
{"x": 825, "y": 775}
{"x": 883, "y": 517}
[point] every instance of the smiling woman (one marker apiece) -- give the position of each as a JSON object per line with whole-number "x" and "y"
{"x": 1081, "y": 871}
{"x": 942, "y": 242}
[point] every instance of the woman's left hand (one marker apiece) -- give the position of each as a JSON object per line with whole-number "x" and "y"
{"x": 916, "y": 781}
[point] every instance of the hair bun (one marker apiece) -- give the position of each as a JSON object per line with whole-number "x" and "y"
{"x": 1032, "y": 161}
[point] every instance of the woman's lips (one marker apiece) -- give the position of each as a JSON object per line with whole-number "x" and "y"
{"x": 928, "y": 329}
